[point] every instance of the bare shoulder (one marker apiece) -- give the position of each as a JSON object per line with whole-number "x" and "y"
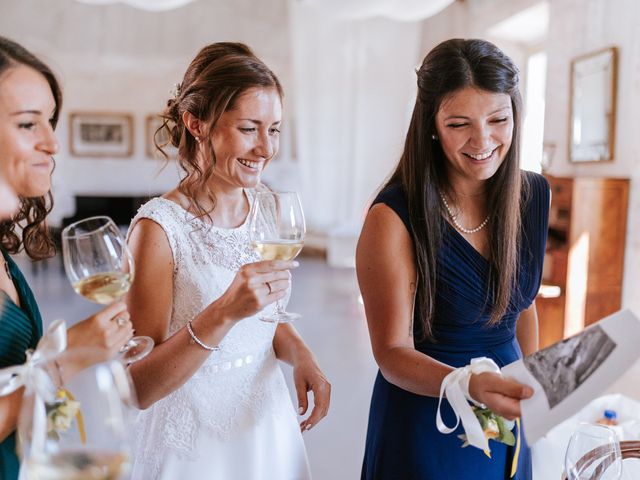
{"x": 384, "y": 235}
{"x": 385, "y": 254}
{"x": 148, "y": 237}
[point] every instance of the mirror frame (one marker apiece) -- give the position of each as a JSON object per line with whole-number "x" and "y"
{"x": 604, "y": 62}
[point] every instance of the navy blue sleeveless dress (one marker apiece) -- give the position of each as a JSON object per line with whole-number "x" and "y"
{"x": 403, "y": 442}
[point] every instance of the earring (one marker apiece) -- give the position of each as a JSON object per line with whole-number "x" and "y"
{"x": 434, "y": 137}
{"x": 197, "y": 139}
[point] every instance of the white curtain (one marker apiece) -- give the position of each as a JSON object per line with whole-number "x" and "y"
{"x": 354, "y": 85}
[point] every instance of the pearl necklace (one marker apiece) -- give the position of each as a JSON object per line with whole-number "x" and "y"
{"x": 455, "y": 222}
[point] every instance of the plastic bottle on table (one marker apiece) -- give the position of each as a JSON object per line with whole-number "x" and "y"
{"x": 609, "y": 418}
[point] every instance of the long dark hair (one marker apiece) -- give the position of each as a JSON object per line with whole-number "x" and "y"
{"x": 449, "y": 67}
{"x": 28, "y": 229}
{"x": 218, "y": 75}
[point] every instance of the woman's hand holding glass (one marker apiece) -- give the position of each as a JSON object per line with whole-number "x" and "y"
{"x": 100, "y": 268}
{"x": 277, "y": 232}
{"x": 255, "y": 286}
{"x": 103, "y": 334}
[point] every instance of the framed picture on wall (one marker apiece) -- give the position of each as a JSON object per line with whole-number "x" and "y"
{"x": 593, "y": 106}
{"x": 97, "y": 134}
{"x": 154, "y": 134}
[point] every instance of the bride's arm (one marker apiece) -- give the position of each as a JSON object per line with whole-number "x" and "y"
{"x": 307, "y": 376}
{"x": 175, "y": 359}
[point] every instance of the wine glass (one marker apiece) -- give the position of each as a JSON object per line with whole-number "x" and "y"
{"x": 593, "y": 453}
{"x": 277, "y": 232}
{"x": 100, "y": 268}
{"x": 82, "y": 434}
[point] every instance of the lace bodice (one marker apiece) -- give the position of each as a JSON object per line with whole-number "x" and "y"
{"x": 236, "y": 384}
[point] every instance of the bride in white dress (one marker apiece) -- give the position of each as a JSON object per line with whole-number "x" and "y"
{"x": 215, "y": 402}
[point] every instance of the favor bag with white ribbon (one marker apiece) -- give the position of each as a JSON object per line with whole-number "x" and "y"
{"x": 456, "y": 387}
{"x": 33, "y": 376}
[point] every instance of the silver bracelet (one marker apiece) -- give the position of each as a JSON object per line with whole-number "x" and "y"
{"x": 198, "y": 341}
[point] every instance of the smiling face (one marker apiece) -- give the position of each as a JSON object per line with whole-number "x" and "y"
{"x": 247, "y": 137}
{"x": 475, "y": 128}
{"x": 27, "y": 141}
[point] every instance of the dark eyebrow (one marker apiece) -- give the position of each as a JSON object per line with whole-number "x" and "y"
{"x": 467, "y": 118}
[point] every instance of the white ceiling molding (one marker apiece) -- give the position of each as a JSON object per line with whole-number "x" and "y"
{"x": 402, "y": 10}
{"x": 149, "y": 5}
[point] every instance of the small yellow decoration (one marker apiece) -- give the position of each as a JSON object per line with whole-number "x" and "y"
{"x": 60, "y": 414}
{"x": 514, "y": 465}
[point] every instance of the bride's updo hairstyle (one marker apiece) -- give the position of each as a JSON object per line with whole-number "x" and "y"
{"x": 218, "y": 75}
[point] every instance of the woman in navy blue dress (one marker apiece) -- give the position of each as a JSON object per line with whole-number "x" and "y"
{"x": 449, "y": 263}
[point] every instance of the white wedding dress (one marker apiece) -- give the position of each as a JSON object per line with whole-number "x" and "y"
{"x": 233, "y": 419}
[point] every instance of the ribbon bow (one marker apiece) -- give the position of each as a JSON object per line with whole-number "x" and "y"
{"x": 35, "y": 379}
{"x": 456, "y": 387}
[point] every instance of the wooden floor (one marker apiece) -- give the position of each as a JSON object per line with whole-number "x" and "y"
{"x": 333, "y": 325}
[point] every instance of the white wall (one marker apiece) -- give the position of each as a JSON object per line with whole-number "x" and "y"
{"x": 578, "y": 27}
{"x": 473, "y": 19}
{"x": 119, "y": 59}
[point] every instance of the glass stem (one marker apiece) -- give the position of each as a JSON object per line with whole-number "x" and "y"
{"x": 279, "y": 309}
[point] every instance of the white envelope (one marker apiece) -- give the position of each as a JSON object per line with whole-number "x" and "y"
{"x": 569, "y": 374}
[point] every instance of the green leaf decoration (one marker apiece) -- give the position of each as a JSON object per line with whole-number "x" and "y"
{"x": 488, "y": 421}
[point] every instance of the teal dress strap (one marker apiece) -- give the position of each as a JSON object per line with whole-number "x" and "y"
{"x": 20, "y": 329}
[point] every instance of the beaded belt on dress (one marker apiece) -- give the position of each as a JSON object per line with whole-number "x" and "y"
{"x": 233, "y": 363}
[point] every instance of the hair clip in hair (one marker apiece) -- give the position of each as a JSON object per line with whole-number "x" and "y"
{"x": 175, "y": 90}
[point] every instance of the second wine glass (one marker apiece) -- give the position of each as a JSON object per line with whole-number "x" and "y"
{"x": 100, "y": 268}
{"x": 277, "y": 231}
{"x": 593, "y": 453}
{"x": 84, "y": 433}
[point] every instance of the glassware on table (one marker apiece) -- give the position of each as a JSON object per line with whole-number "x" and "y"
{"x": 100, "y": 268}
{"x": 593, "y": 453}
{"x": 277, "y": 232}
{"x": 82, "y": 435}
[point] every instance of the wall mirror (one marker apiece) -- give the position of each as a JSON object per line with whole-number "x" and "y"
{"x": 593, "y": 106}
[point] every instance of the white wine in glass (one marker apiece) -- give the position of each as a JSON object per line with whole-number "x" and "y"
{"x": 100, "y": 268}
{"x": 277, "y": 231}
{"x": 79, "y": 465}
{"x": 104, "y": 288}
{"x": 285, "y": 250}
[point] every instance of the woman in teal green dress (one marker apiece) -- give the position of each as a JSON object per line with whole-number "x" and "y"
{"x": 30, "y": 101}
